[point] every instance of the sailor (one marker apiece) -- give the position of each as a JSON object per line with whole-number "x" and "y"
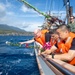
{"x": 39, "y": 36}
{"x": 53, "y": 40}
{"x": 72, "y": 23}
{"x": 42, "y": 37}
{"x": 67, "y": 47}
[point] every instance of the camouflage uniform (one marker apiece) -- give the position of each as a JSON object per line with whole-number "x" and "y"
{"x": 72, "y": 27}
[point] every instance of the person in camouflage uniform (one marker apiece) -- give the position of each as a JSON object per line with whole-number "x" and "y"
{"x": 72, "y": 23}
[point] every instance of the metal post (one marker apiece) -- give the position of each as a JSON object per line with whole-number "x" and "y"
{"x": 67, "y": 10}
{"x": 71, "y": 11}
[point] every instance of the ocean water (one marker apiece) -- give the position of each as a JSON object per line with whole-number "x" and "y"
{"x": 15, "y": 60}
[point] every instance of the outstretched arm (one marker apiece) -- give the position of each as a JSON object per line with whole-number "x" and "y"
{"x": 66, "y": 56}
{"x": 29, "y": 41}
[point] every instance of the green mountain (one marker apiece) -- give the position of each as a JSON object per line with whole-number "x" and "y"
{"x": 10, "y": 30}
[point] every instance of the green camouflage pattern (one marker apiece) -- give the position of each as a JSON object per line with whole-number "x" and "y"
{"x": 72, "y": 26}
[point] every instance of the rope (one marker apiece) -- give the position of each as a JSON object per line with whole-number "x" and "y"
{"x": 46, "y": 6}
{"x": 51, "y": 2}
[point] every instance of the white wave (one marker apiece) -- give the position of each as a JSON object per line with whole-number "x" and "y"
{"x": 31, "y": 54}
{"x": 16, "y": 61}
{"x": 1, "y": 73}
{"x": 19, "y": 60}
{"x": 7, "y": 42}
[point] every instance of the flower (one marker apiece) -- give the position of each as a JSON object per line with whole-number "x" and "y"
{"x": 47, "y": 45}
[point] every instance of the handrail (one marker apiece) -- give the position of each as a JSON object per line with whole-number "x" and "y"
{"x": 58, "y": 67}
{"x": 61, "y": 68}
{"x": 52, "y": 67}
{"x": 56, "y": 63}
{"x": 65, "y": 65}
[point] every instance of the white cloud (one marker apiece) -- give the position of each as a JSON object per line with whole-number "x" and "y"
{"x": 21, "y": 20}
{"x": 2, "y": 7}
{"x": 2, "y": 10}
{"x": 10, "y": 13}
{"x": 13, "y": 19}
{"x": 4, "y": 13}
{"x": 24, "y": 9}
{"x": 28, "y": 26}
{"x": 9, "y": 4}
{"x": 32, "y": 26}
{"x": 28, "y": 12}
{"x": 29, "y": 15}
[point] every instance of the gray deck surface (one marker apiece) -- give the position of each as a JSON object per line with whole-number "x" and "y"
{"x": 45, "y": 68}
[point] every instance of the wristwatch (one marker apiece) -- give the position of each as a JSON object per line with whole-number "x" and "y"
{"x": 53, "y": 56}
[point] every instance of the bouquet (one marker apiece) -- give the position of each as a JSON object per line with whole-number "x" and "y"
{"x": 47, "y": 45}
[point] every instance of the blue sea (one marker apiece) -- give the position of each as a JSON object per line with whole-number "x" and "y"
{"x": 15, "y": 60}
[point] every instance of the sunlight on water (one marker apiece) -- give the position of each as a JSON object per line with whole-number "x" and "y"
{"x": 31, "y": 54}
{"x": 15, "y": 60}
{"x": 0, "y": 73}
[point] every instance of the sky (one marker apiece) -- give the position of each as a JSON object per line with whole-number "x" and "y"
{"x": 15, "y": 13}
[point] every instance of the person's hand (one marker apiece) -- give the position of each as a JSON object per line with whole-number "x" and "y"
{"x": 21, "y": 43}
{"x": 48, "y": 56}
{"x": 39, "y": 54}
{"x": 47, "y": 45}
{"x": 43, "y": 52}
{"x": 46, "y": 52}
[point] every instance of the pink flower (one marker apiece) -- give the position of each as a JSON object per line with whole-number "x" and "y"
{"x": 47, "y": 45}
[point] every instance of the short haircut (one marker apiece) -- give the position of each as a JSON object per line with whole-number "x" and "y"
{"x": 72, "y": 17}
{"x": 53, "y": 31}
{"x": 64, "y": 27}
